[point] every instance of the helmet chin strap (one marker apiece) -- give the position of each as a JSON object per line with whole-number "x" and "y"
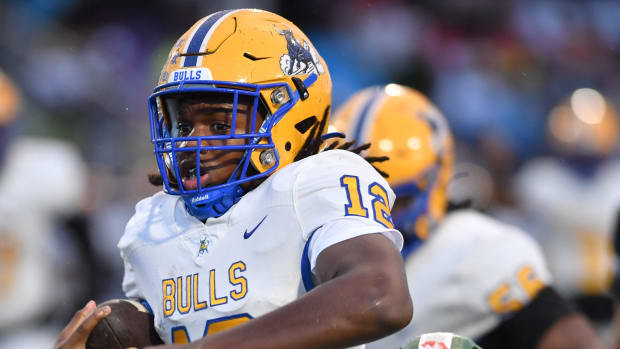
{"x": 214, "y": 203}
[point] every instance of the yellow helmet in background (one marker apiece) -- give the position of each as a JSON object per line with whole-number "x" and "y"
{"x": 9, "y": 99}
{"x": 584, "y": 125}
{"x": 404, "y": 125}
{"x": 244, "y": 52}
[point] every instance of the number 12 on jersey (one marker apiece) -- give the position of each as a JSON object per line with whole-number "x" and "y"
{"x": 355, "y": 207}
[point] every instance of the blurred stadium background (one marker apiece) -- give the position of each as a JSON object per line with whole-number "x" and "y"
{"x": 84, "y": 69}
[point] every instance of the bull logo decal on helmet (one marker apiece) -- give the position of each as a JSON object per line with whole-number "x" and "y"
{"x": 301, "y": 58}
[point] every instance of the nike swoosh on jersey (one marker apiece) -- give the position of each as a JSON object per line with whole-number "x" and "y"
{"x": 247, "y": 235}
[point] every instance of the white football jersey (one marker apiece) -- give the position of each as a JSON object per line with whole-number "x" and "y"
{"x": 576, "y": 217}
{"x": 40, "y": 179}
{"x": 201, "y": 278}
{"x": 470, "y": 275}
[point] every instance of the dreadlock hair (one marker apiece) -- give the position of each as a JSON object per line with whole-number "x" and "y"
{"x": 155, "y": 179}
{"x": 315, "y": 141}
{"x": 312, "y": 146}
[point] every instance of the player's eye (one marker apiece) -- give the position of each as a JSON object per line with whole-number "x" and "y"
{"x": 184, "y": 129}
{"x": 220, "y": 128}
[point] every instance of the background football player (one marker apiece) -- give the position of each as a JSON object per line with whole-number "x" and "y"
{"x": 470, "y": 274}
{"x": 231, "y": 244}
{"x": 573, "y": 196}
{"x": 36, "y": 202}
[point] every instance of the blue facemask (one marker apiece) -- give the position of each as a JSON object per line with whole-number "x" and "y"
{"x": 213, "y": 201}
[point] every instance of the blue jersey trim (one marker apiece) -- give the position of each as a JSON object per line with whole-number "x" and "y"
{"x": 147, "y": 306}
{"x": 306, "y": 273}
{"x": 199, "y": 36}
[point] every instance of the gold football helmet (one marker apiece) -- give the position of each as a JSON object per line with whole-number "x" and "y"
{"x": 584, "y": 125}
{"x": 402, "y": 124}
{"x": 241, "y": 53}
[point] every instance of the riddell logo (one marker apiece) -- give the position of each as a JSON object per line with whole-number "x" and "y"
{"x": 200, "y": 198}
{"x": 433, "y": 345}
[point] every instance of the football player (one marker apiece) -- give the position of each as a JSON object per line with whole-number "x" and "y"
{"x": 41, "y": 183}
{"x": 573, "y": 197}
{"x": 257, "y": 241}
{"x": 470, "y": 274}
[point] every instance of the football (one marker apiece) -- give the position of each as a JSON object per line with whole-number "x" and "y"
{"x": 129, "y": 324}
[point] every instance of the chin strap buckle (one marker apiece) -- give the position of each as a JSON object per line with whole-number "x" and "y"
{"x": 302, "y": 86}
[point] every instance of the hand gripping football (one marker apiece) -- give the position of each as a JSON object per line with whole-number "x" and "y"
{"x": 129, "y": 324}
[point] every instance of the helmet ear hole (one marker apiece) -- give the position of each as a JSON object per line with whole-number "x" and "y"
{"x": 287, "y": 146}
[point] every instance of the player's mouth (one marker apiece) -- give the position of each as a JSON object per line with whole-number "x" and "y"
{"x": 189, "y": 175}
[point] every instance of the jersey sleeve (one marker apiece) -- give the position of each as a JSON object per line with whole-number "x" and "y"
{"x": 508, "y": 271}
{"x": 126, "y": 245}
{"x": 130, "y": 285}
{"x": 338, "y": 196}
{"x": 132, "y": 239}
